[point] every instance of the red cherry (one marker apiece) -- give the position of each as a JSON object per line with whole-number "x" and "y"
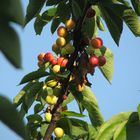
{"x": 97, "y": 43}
{"x": 93, "y": 61}
{"x": 59, "y": 60}
{"x": 64, "y": 63}
{"x": 64, "y": 97}
{"x": 54, "y": 62}
{"x": 48, "y": 57}
{"x": 102, "y": 60}
{"x": 90, "y": 13}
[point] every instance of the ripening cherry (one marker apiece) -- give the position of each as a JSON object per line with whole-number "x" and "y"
{"x": 59, "y": 60}
{"x": 48, "y": 117}
{"x": 54, "y": 62}
{"x": 102, "y": 60}
{"x": 90, "y": 13}
{"x": 96, "y": 43}
{"x": 70, "y": 24}
{"x": 65, "y": 97}
{"x": 41, "y": 57}
{"x": 59, "y": 132}
{"x": 56, "y": 68}
{"x": 62, "y": 31}
{"x": 64, "y": 63}
{"x": 94, "y": 61}
{"x": 48, "y": 57}
{"x": 61, "y": 41}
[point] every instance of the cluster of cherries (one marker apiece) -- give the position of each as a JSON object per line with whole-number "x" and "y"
{"x": 61, "y": 62}
{"x": 94, "y": 61}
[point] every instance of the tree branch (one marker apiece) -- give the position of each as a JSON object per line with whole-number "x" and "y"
{"x": 57, "y": 108}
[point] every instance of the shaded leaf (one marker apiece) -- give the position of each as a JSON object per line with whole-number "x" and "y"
{"x": 33, "y": 76}
{"x": 39, "y": 24}
{"x": 76, "y": 9}
{"x": 30, "y": 95}
{"x": 63, "y": 11}
{"x": 10, "y": 45}
{"x": 11, "y": 11}
{"x": 113, "y": 22}
{"x": 38, "y": 108}
{"x": 11, "y": 117}
{"x": 55, "y": 24}
{"x": 136, "y": 5}
{"x": 35, "y": 118}
{"x": 19, "y": 97}
{"x": 33, "y": 9}
{"x": 90, "y": 27}
{"x": 53, "y": 2}
{"x": 71, "y": 113}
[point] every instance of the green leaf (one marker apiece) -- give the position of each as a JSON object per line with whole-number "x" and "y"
{"x": 33, "y": 76}
{"x": 128, "y": 129}
{"x": 107, "y": 130}
{"x": 30, "y": 95}
{"x": 132, "y": 21}
{"x": 71, "y": 113}
{"x": 38, "y": 108}
{"x": 19, "y": 97}
{"x": 52, "y": 11}
{"x": 136, "y": 5}
{"x": 35, "y": 118}
{"x": 33, "y": 9}
{"x": 138, "y": 108}
{"x": 39, "y": 24}
{"x": 41, "y": 21}
{"x": 113, "y": 22}
{"x": 89, "y": 101}
{"x": 11, "y": 117}
{"x": 92, "y": 132}
{"x": 55, "y": 24}
{"x": 43, "y": 129}
{"x": 100, "y": 24}
{"x": 108, "y": 69}
{"x": 66, "y": 137}
{"x": 65, "y": 74}
{"x": 76, "y": 9}
{"x": 74, "y": 128}
{"x": 10, "y": 45}
{"x": 11, "y": 11}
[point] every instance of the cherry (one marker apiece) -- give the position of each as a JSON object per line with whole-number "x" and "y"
{"x": 54, "y": 62}
{"x": 93, "y": 61}
{"x": 102, "y": 60}
{"x": 64, "y": 63}
{"x": 48, "y": 57}
{"x": 90, "y": 13}
{"x": 97, "y": 43}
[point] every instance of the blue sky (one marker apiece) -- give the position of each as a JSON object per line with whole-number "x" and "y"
{"x": 122, "y": 95}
